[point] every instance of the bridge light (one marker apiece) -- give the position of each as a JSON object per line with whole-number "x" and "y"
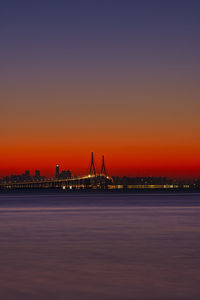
{"x": 64, "y": 187}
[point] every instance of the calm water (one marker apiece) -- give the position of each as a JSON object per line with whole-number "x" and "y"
{"x": 90, "y": 246}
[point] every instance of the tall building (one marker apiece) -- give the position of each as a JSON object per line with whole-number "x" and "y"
{"x": 27, "y": 173}
{"x": 37, "y": 173}
{"x": 26, "y": 176}
{"x": 57, "y": 171}
{"x": 65, "y": 174}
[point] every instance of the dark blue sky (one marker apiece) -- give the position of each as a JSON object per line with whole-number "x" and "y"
{"x": 70, "y": 27}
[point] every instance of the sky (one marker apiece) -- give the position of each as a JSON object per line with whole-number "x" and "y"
{"x": 116, "y": 77}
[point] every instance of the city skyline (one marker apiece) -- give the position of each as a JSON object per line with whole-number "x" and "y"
{"x": 118, "y": 77}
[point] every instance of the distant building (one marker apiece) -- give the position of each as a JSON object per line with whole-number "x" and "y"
{"x": 27, "y": 173}
{"x": 37, "y": 173}
{"x": 65, "y": 174}
{"x": 57, "y": 171}
{"x": 25, "y": 177}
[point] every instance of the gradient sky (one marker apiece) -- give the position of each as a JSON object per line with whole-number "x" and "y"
{"x": 120, "y": 78}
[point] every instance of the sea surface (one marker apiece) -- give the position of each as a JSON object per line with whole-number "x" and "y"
{"x": 87, "y": 246}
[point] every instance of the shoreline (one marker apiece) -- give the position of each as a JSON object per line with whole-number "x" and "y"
{"x": 101, "y": 191}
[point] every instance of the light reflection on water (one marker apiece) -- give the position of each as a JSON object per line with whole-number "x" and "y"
{"x": 116, "y": 247}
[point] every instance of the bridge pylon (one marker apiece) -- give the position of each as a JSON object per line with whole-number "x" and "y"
{"x": 103, "y": 167}
{"x": 92, "y": 166}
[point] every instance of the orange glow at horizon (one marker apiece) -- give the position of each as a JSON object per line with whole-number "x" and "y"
{"x": 154, "y": 160}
